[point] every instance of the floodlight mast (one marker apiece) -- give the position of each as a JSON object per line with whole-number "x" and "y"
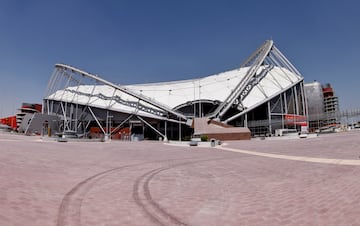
{"x": 124, "y": 90}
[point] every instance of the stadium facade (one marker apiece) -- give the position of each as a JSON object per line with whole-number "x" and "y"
{"x": 264, "y": 94}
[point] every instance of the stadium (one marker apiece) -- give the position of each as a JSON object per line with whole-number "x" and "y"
{"x": 264, "y": 94}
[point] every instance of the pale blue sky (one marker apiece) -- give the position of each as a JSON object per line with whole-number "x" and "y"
{"x": 149, "y": 41}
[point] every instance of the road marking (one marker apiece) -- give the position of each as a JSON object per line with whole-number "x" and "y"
{"x": 18, "y": 140}
{"x": 9, "y": 140}
{"x": 349, "y": 162}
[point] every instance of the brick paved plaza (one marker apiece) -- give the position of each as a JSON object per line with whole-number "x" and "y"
{"x": 151, "y": 183}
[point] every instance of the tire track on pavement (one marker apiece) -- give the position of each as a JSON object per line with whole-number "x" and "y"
{"x": 69, "y": 212}
{"x": 143, "y": 198}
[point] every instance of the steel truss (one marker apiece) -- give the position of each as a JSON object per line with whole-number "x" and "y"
{"x": 82, "y": 99}
{"x": 259, "y": 64}
{"x": 285, "y": 110}
{"x": 74, "y": 95}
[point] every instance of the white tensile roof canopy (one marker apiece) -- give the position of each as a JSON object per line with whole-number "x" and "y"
{"x": 265, "y": 74}
{"x": 217, "y": 87}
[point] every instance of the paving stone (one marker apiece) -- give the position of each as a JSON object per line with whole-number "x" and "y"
{"x": 151, "y": 183}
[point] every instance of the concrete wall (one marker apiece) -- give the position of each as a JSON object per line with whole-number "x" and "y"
{"x": 229, "y": 136}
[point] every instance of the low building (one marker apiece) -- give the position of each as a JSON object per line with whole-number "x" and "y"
{"x": 21, "y": 121}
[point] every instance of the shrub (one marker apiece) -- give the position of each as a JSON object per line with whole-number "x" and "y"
{"x": 204, "y": 138}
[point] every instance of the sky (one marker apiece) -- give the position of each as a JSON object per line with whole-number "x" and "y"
{"x": 129, "y": 42}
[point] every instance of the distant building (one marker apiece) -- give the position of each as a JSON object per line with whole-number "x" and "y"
{"x": 8, "y": 123}
{"x": 21, "y": 120}
{"x": 323, "y": 105}
{"x": 331, "y": 105}
{"x": 27, "y": 109}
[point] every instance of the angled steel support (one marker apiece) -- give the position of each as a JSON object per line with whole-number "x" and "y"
{"x": 64, "y": 114}
{"x": 97, "y": 121}
{"x": 253, "y": 62}
{"x": 258, "y": 104}
{"x": 153, "y": 128}
{"x": 124, "y": 90}
{"x": 262, "y": 62}
{"x": 122, "y": 123}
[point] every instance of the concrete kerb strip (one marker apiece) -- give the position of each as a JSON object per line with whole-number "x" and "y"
{"x": 348, "y": 162}
{"x": 187, "y": 144}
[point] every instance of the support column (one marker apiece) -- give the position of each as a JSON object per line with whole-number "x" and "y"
{"x": 285, "y": 103}
{"x": 282, "y": 111}
{"x": 172, "y": 130}
{"x": 246, "y": 120}
{"x": 107, "y": 126}
{"x": 64, "y": 115}
{"x": 179, "y": 130}
{"x": 97, "y": 121}
{"x": 71, "y": 111}
{"x": 305, "y": 110}
{"x": 269, "y": 115}
{"x": 76, "y": 117}
{"x": 296, "y": 101}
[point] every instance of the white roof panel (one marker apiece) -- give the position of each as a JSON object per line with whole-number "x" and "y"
{"x": 172, "y": 94}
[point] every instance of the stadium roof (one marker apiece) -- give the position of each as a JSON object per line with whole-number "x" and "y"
{"x": 218, "y": 87}
{"x": 265, "y": 74}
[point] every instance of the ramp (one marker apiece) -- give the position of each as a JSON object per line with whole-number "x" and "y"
{"x": 219, "y": 131}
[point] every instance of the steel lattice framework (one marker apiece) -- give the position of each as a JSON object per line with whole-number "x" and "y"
{"x": 266, "y": 80}
{"x": 266, "y": 57}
